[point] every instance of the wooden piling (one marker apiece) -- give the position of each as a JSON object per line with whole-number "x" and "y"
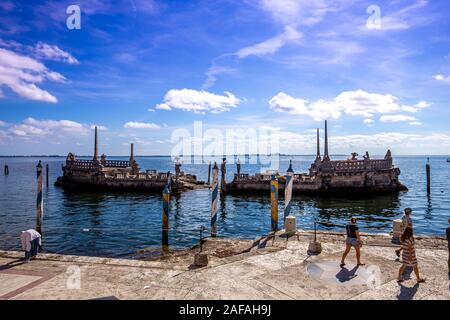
{"x": 209, "y": 172}
{"x": 427, "y": 168}
{"x": 274, "y": 202}
{"x": 165, "y": 219}
{"x": 6, "y": 170}
{"x": 46, "y": 175}
{"x": 39, "y": 199}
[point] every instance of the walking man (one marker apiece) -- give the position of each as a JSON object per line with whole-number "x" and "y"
{"x": 353, "y": 240}
{"x": 406, "y": 222}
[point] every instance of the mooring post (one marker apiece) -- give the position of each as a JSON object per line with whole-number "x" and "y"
{"x": 39, "y": 199}
{"x": 223, "y": 183}
{"x": 214, "y": 195}
{"x": 46, "y": 175}
{"x": 427, "y": 168}
{"x": 165, "y": 219}
{"x": 6, "y": 170}
{"x": 288, "y": 190}
{"x": 274, "y": 202}
{"x": 209, "y": 172}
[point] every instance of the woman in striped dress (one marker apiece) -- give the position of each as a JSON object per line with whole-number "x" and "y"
{"x": 408, "y": 255}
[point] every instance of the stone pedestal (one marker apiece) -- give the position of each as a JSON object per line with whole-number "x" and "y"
{"x": 290, "y": 225}
{"x": 201, "y": 259}
{"x": 396, "y": 228}
{"x": 315, "y": 247}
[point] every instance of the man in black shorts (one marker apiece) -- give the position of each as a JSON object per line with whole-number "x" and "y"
{"x": 353, "y": 240}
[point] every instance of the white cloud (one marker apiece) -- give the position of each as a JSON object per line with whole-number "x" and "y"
{"x": 295, "y": 12}
{"x": 140, "y": 125}
{"x": 198, "y": 101}
{"x": 397, "y": 118}
{"x": 404, "y": 18}
{"x": 52, "y": 52}
{"x": 21, "y": 74}
{"x": 99, "y": 127}
{"x": 272, "y": 45}
{"x": 441, "y": 77}
{"x": 376, "y": 144}
{"x": 368, "y": 121}
{"x": 2, "y": 123}
{"x": 34, "y": 127}
{"x": 354, "y": 103}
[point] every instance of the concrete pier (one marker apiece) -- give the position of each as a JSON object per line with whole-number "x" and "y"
{"x": 264, "y": 268}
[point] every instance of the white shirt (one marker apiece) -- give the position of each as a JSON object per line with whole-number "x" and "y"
{"x": 27, "y": 236}
{"x": 406, "y": 221}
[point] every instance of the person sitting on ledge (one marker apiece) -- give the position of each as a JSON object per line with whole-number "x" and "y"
{"x": 31, "y": 243}
{"x": 353, "y": 240}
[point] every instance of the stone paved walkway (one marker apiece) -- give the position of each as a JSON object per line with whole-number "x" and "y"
{"x": 264, "y": 269}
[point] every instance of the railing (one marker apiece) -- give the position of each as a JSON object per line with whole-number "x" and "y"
{"x": 116, "y": 163}
{"x": 355, "y": 165}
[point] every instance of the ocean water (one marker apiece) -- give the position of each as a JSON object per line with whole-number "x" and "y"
{"x": 118, "y": 224}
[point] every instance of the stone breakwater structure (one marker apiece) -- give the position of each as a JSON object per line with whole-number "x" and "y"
{"x": 102, "y": 174}
{"x": 326, "y": 176}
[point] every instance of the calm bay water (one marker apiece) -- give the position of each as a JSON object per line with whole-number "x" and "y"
{"x": 120, "y": 223}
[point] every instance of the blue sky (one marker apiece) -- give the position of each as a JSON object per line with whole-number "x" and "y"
{"x": 141, "y": 69}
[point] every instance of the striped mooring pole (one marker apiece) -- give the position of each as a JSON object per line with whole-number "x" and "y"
{"x": 274, "y": 201}
{"x": 39, "y": 199}
{"x": 165, "y": 219}
{"x": 288, "y": 190}
{"x": 214, "y": 195}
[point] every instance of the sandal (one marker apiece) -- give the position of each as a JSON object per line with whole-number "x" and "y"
{"x": 361, "y": 264}
{"x": 421, "y": 280}
{"x": 342, "y": 265}
{"x": 400, "y": 280}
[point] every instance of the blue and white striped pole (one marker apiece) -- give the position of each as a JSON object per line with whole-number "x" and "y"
{"x": 288, "y": 190}
{"x": 274, "y": 202}
{"x": 39, "y": 199}
{"x": 165, "y": 219}
{"x": 214, "y": 195}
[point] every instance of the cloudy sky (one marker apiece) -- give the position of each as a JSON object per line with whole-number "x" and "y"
{"x": 379, "y": 71}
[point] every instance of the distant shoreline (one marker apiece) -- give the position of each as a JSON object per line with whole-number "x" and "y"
{"x": 168, "y": 156}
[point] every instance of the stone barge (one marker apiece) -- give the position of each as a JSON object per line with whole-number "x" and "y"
{"x": 329, "y": 177}
{"x": 100, "y": 174}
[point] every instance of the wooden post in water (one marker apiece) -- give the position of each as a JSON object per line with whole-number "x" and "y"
{"x": 427, "y": 168}
{"x": 209, "y": 172}
{"x": 6, "y": 170}
{"x": 39, "y": 199}
{"x": 274, "y": 202}
{"x": 214, "y": 195}
{"x": 46, "y": 175}
{"x": 165, "y": 219}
